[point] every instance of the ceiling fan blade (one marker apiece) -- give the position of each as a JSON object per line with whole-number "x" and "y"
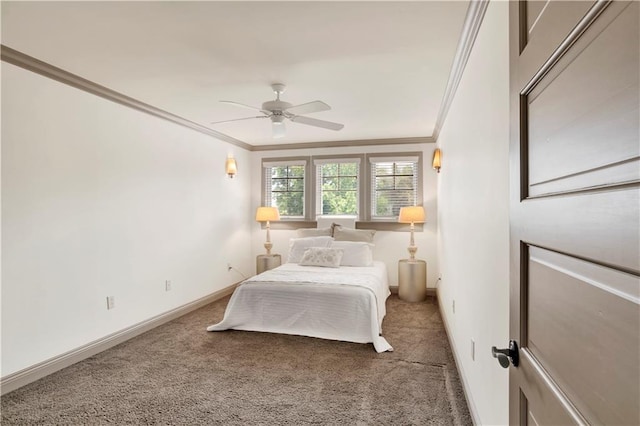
{"x": 318, "y": 123}
{"x": 239, "y": 119}
{"x": 308, "y": 108}
{"x": 246, "y": 106}
{"x": 279, "y": 130}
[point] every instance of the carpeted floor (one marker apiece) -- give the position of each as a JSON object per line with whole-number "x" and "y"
{"x": 179, "y": 374}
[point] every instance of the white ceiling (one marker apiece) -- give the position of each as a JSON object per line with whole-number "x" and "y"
{"x": 381, "y": 66}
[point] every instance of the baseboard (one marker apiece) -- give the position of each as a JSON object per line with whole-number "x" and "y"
{"x": 430, "y": 291}
{"x": 463, "y": 378}
{"x": 31, "y": 374}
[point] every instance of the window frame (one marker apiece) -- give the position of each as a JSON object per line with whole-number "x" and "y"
{"x": 392, "y": 157}
{"x": 364, "y": 219}
{"x": 287, "y": 161}
{"x": 340, "y": 158}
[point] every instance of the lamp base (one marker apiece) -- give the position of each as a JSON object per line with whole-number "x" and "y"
{"x": 412, "y": 253}
{"x": 268, "y": 245}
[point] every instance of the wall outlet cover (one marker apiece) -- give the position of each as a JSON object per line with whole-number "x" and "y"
{"x": 473, "y": 350}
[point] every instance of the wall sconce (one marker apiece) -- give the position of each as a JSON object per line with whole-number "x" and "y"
{"x": 231, "y": 167}
{"x": 437, "y": 161}
{"x": 413, "y": 214}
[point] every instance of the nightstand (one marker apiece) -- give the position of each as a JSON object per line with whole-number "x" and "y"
{"x": 412, "y": 280}
{"x": 264, "y": 262}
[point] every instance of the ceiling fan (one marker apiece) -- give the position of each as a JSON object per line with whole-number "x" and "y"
{"x": 279, "y": 111}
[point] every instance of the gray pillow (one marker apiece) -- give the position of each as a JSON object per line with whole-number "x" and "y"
{"x": 341, "y": 233}
{"x": 313, "y": 232}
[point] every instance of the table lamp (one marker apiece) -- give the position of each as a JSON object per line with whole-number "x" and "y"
{"x": 267, "y": 214}
{"x": 413, "y": 214}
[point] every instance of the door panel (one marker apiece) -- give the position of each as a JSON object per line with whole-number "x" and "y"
{"x": 600, "y": 225}
{"x": 583, "y": 330}
{"x": 573, "y": 110}
{"x": 553, "y": 21}
{"x": 531, "y": 420}
{"x": 549, "y": 22}
{"x": 533, "y": 11}
{"x": 575, "y": 212}
{"x": 541, "y": 401}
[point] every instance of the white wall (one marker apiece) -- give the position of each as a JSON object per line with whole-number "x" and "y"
{"x": 389, "y": 246}
{"x": 101, "y": 200}
{"x": 473, "y": 233}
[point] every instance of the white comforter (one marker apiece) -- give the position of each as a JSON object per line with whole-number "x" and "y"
{"x": 347, "y": 303}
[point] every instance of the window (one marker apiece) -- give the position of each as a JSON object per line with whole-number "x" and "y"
{"x": 394, "y": 184}
{"x": 371, "y": 187}
{"x": 284, "y": 184}
{"x": 337, "y": 186}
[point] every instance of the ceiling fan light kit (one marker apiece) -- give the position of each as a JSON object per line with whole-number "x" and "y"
{"x": 279, "y": 111}
{"x": 277, "y": 119}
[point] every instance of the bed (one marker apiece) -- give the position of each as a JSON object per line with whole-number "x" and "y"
{"x": 346, "y": 303}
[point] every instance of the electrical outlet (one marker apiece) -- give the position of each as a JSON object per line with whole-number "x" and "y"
{"x": 167, "y": 285}
{"x": 453, "y": 306}
{"x": 473, "y": 350}
{"x": 111, "y": 302}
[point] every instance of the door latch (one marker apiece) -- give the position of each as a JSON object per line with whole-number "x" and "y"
{"x": 506, "y": 356}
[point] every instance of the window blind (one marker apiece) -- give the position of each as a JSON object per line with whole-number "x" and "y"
{"x": 394, "y": 184}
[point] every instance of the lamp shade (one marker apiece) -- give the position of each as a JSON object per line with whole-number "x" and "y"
{"x": 267, "y": 214}
{"x": 231, "y": 167}
{"x": 437, "y": 160}
{"x": 413, "y": 214}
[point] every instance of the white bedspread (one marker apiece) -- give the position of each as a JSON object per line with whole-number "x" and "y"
{"x": 347, "y": 303}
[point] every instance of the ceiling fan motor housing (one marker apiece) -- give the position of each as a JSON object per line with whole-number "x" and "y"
{"x": 276, "y": 107}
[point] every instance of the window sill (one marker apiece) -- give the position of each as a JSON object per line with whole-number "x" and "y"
{"x": 376, "y": 225}
{"x": 291, "y": 224}
{"x": 388, "y": 226}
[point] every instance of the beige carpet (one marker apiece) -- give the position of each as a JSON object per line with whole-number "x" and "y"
{"x": 179, "y": 374}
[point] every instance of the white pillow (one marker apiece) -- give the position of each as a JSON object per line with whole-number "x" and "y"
{"x": 297, "y": 246}
{"x": 313, "y": 232}
{"x": 355, "y": 253}
{"x": 322, "y": 256}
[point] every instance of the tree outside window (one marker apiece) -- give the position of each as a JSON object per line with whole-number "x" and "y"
{"x": 285, "y": 188}
{"x": 338, "y": 188}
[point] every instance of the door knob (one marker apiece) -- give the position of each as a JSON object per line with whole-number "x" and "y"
{"x": 507, "y": 355}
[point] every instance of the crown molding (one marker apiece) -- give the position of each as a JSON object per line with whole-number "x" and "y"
{"x": 470, "y": 29}
{"x": 37, "y": 66}
{"x": 342, "y": 144}
{"x": 471, "y": 26}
